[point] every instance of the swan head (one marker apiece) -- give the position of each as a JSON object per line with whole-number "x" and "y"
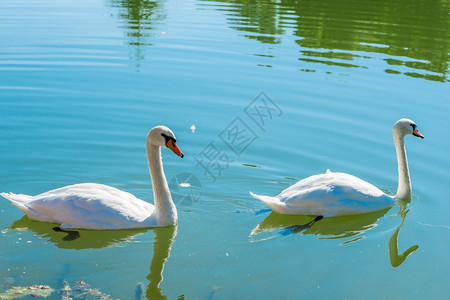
{"x": 405, "y": 127}
{"x": 162, "y": 136}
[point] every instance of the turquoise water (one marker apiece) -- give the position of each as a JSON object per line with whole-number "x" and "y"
{"x": 82, "y": 82}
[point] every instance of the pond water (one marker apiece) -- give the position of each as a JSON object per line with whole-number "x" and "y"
{"x": 312, "y": 84}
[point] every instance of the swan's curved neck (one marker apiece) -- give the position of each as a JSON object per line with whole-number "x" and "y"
{"x": 165, "y": 210}
{"x": 404, "y": 182}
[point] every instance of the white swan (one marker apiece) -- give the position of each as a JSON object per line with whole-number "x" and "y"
{"x": 339, "y": 194}
{"x": 98, "y": 206}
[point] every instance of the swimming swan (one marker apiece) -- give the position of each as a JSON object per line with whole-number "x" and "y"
{"x": 98, "y": 206}
{"x": 339, "y": 194}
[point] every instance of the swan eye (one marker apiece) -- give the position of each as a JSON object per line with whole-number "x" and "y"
{"x": 168, "y": 139}
{"x": 413, "y": 126}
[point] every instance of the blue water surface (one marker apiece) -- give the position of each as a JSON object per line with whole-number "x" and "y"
{"x": 276, "y": 91}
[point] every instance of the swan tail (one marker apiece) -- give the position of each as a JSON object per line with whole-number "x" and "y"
{"x": 17, "y": 199}
{"x": 265, "y": 199}
{"x": 21, "y": 201}
{"x": 272, "y": 202}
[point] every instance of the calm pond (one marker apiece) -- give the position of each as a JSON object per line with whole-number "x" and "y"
{"x": 305, "y": 86}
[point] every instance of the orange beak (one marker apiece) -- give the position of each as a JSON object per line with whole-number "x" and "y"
{"x": 418, "y": 134}
{"x": 172, "y": 145}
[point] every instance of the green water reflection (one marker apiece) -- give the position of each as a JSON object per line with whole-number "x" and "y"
{"x": 140, "y": 20}
{"x": 98, "y": 239}
{"x": 411, "y": 37}
{"x": 328, "y": 228}
{"x": 87, "y": 239}
{"x": 396, "y": 258}
{"x": 162, "y": 245}
{"x": 345, "y": 227}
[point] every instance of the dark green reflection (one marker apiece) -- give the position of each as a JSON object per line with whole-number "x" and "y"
{"x": 86, "y": 239}
{"x": 341, "y": 33}
{"x": 396, "y": 258}
{"x": 77, "y": 239}
{"x": 258, "y": 20}
{"x": 328, "y": 228}
{"x": 164, "y": 238}
{"x": 139, "y": 21}
{"x": 352, "y": 227}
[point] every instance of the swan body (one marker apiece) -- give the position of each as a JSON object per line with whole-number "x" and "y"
{"x": 98, "y": 206}
{"x": 329, "y": 194}
{"x": 88, "y": 206}
{"x": 339, "y": 194}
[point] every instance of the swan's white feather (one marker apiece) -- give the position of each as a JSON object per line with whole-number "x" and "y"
{"x": 329, "y": 194}
{"x": 88, "y": 206}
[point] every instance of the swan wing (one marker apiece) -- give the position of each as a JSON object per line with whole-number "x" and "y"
{"x": 89, "y": 206}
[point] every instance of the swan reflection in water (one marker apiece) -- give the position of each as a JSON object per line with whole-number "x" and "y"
{"x": 396, "y": 258}
{"x": 77, "y": 239}
{"x": 94, "y": 239}
{"x": 352, "y": 227}
{"x": 162, "y": 245}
